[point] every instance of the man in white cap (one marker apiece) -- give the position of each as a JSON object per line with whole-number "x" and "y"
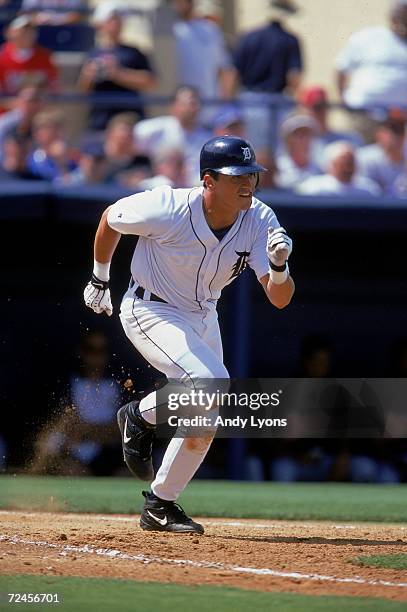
{"x": 295, "y": 164}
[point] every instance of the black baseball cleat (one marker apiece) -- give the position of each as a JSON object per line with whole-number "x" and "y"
{"x": 161, "y": 515}
{"x": 137, "y": 441}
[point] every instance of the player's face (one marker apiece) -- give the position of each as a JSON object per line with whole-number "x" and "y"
{"x": 235, "y": 192}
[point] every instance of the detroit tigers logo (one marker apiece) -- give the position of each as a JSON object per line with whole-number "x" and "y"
{"x": 246, "y": 154}
{"x": 240, "y": 264}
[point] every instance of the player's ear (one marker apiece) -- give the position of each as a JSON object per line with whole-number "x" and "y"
{"x": 208, "y": 181}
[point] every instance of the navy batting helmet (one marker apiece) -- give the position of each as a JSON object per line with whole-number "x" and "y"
{"x": 229, "y": 155}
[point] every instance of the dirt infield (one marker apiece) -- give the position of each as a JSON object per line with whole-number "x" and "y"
{"x": 303, "y": 557}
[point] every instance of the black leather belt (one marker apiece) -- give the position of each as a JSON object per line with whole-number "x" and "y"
{"x": 141, "y": 293}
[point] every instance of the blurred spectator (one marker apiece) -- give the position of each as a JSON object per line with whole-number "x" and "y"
{"x": 295, "y": 164}
{"x": 316, "y": 357}
{"x": 51, "y": 157}
{"x": 374, "y": 461}
{"x": 168, "y": 169}
{"x": 200, "y": 42}
{"x": 290, "y": 460}
{"x": 113, "y": 68}
{"x": 19, "y": 119}
{"x": 54, "y": 12}
{"x": 314, "y": 101}
{"x": 372, "y": 68}
{"x": 112, "y": 160}
{"x": 304, "y": 461}
{"x": 268, "y": 60}
{"x": 269, "y": 179}
{"x": 308, "y": 459}
{"x": 22, "y": 57}
{"x": 125, "y": 165}
{"x": 92, "y": 167}
{"x": 341, "y": 178}
{"x": 229, "y": 121}
{"x": 179, "y": 130}
{"x": 83, "y": 437}
{"x": 14, "y": 159}
{"x": 384, "y": 161}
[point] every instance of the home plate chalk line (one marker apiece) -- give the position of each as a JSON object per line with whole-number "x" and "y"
{"x": 112, "y": 553}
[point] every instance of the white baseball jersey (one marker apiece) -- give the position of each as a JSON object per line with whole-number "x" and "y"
{"x": 178, "y": 257}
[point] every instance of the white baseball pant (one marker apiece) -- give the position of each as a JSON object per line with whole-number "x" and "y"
{"x": 185, "y": 346}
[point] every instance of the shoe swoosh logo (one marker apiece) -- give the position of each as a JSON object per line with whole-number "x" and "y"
{"x": 126, "y": 438}
{"x": 162, "y": 521}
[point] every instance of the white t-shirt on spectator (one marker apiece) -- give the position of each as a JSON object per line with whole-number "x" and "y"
{"x": 151, "y": 135}
{"x": 201, "y": 54}
{"x": 326, "y": 184}
{"x": 290, "y": 175}
{"x": 374, "y": 163}
{"x": 376, "y": 60}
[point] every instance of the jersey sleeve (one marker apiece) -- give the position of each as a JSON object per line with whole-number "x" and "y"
{"x": 258, "y": 259}
{"x": 145, "y": 214}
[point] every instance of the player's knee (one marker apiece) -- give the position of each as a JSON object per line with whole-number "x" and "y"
{"x": 201, "y": 444}
{"x": 214, "y": 383}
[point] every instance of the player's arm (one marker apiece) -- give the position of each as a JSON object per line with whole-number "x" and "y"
{"x": 279, "y": 294}
{"x": 97, "y": 292}
{"x": 278, "y": 284}
{"x": 106, "y": 240}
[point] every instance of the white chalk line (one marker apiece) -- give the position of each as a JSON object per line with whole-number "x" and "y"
{"x": 112, "y": 553}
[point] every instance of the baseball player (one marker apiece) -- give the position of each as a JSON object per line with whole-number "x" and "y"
{"x": 192, "y": 242}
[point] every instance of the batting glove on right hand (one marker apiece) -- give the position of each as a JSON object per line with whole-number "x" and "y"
{"x": 279, "y": 246}
{"x": 97, "y": 296}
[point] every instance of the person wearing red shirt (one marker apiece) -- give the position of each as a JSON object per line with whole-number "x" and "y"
{"x": 21, "y": 57}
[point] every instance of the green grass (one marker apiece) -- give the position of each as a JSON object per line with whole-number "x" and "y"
{"x": 340, "y": 502}
{"x": 397, "y": 562}
{"x": 104, "y": 595}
